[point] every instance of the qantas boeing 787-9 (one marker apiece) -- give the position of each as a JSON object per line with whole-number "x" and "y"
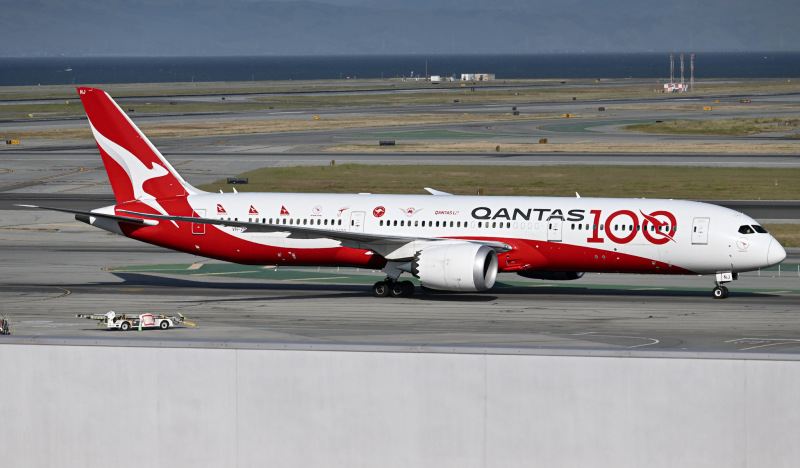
{"x": 448, "y": 242}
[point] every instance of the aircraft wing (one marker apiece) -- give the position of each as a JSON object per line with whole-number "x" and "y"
{"x": 378, "y": 242}
{"x": 124, "y": 219}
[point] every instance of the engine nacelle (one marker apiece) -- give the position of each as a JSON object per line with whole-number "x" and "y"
{"x": 552, "y": 275}
{"x": 461, "y": 266}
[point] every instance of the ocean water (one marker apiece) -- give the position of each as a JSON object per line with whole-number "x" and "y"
{"x": 103, "y": 70}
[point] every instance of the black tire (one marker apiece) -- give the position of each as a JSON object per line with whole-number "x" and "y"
{"x": 164, "y": 325}
{"x": 380, "y": 289}
{"x": 397, "y": 290}
{"x": 409, "y": 288}
{"x": 125, "y": 326}
{"x": 719, "y": 292}
{"x": 725, "y": 292}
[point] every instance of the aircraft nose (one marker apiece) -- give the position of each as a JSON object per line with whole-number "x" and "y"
{"x": 775, "y": 253}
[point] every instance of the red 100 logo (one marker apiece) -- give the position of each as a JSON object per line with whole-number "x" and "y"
{"x": 664, "y": 224}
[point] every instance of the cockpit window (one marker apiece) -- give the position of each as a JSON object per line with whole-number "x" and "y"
{"x": 752, "y": 229}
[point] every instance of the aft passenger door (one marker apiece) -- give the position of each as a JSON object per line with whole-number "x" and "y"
{"x": 357, "y": 221}
{"x": 700, "y": 230}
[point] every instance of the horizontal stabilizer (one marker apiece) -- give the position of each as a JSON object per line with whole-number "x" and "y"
{"x": 124, "y": 219}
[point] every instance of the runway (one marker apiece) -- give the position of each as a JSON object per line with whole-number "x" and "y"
{"x": 54, "y": 267}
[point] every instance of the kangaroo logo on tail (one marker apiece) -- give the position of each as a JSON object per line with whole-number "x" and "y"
{"x": 136, "y": 169}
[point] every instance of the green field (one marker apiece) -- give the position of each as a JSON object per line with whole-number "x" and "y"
{"x": 724, "y": 127}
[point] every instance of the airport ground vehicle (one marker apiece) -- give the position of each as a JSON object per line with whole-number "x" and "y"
{"x": 123, "y": 322}
{"x": 5, "y": 325}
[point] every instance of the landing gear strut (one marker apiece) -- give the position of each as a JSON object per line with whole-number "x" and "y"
{"x": 720, "y": 291}
{"x": 393, "y": 288}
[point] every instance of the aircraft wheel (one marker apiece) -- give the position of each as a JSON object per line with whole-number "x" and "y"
{"x": 380, "y": 289}
{"x": 396, "y": 289}
{"x": 720, "y": 292}
{"x": 724, "y": 292}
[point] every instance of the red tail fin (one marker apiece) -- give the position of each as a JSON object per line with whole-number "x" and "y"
{"x": 136, "y": 169}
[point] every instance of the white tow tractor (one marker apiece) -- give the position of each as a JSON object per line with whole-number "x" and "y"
{"x": 123, "y": 322}
{"x": 5, "y": 325}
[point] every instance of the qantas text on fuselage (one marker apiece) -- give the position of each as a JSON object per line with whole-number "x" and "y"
{"x": 447, "y": 242}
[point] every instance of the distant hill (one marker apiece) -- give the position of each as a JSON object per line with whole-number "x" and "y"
{"x": 253, "y": 27}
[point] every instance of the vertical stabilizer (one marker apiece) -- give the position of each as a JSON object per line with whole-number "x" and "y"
{"x": 136, "y": 169}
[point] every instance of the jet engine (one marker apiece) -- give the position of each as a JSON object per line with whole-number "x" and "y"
{"x": 459, "y": 266}
{"x": 552, "y": 275}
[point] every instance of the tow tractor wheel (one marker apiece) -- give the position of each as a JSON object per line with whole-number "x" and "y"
{"x": 125, "y": 326}
{"x": 380, "y": 289}
{"x": 720, "y": 292}
{"x": 164, "y": 325}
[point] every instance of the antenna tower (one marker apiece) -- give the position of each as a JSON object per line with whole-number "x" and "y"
{"x": 682, "y": 82}
{"x": 671, "y": 68}
{"x": 691, "y": 72}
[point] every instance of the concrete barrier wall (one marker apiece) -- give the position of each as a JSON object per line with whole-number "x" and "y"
{"x": 99, "y": 406}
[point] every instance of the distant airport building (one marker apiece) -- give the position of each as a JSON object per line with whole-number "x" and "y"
{"x": 675, "y": 88}
{"x": 477, "y": 77}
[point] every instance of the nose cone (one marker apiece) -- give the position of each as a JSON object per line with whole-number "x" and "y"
{"x": 776, "y": 253}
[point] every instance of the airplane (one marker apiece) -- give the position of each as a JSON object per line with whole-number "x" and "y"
{"x": 448, "y": 242}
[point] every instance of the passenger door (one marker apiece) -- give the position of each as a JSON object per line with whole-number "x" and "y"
{"x": 357, "y": 221}
{"x": 554, "y": 230}
{"x": 700, "y": 230}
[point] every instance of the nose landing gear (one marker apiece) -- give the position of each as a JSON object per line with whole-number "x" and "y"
{"x": 720, "y": 291}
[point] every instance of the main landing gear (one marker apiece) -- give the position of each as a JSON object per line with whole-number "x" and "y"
{"x": 720, "y": 291}
{"x": 393, "y": 288}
